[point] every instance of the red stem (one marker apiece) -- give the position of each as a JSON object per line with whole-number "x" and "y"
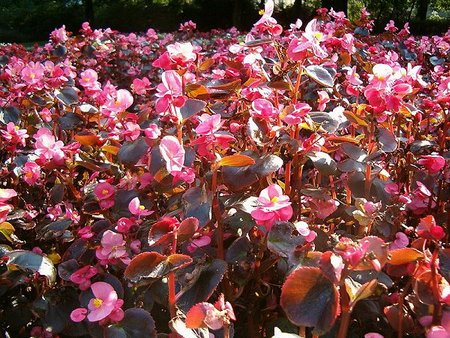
{"x": 217, "y": 216}
{"x": 171, "y": 285}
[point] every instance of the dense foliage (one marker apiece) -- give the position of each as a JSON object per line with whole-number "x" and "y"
{"x": 214, "y": 183}
{"x": 31, "y": 20}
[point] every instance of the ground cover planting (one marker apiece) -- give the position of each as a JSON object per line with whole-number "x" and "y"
{"x": 289, "y": 182}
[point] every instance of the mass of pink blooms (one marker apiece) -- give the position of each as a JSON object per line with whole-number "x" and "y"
{"x": 286, "y": 182}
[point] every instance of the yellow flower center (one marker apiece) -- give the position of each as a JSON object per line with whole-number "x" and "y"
{"x": 16, "y": 127}
{"x": 142, "y": 207}
{"x": 105, "y": 192}
{"x": 29, "y": 174}
{"x": 117, "y": 103}
{"x": 318, "y": 35}
{"x": 274, "y": 199}
{"x": 97, "y": 302}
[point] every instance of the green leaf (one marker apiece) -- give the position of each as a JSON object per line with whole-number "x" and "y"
{"x": 27, "y": 260}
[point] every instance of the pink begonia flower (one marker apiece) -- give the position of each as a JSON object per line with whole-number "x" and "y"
{"x": 141, "y": 86}
{"x": 5, "y": 209}
{"x": 323, "y": 100}
{"x": 54, "y": 212}
{"x": 209, "y": 124}
{"x": 392, "y": 188}
{"x": 173, "y": 153}
{"x": 33, "y": 73}
{"x": 437, "y": 331}
{"x": 137, "y": 209}
{"x": 59, "y": 35}
{"x": 124, "y": 224}
{"x": 267, "y": 23}
{"x": 123, "y": 101}
{"x": 170, "y": 91}
{"x": 401, "y": 241}
{"x": 295, "y": 114}
{"x": 199, "y": 242}
{"x": 47, "y": 148}
{"x": 105, "y": 304}
{"x": 88, "y": 79}
{"x": 373, "y": 335}
{"x": 14, "y": 135}
{"x": 132, "y": 131}
{"x": 182, "y": 52}
{"x": 45, "y": 114}
{"x": 188, "y": 26}
{"x": 390, "y": 27}
{"x": 152, "y": 131}
{"x": 303, "y": 229}
{"x": 6, "y": 194}
{"x": 83, "y": 276}
{"x": 433, "y": 163}
{"x": 418, "y": 200}
{"x": 428, "y": 229}
{"x": 366, "y": 211}
{"x": 263, "y": 109}
{"x": 31, "y": 173}
{"x": 78, "y": 314}
{"x": 212, "y": 316}
{"x": 71, "y": 212}
{"x": 272, "y": 206}
{"x": 309, "y": 42}
{"x": 85, "y": 232}
{"x": 353, "y": 252}
{"x": 187, "y": 175}
{"x": 112, "y": 249}
{"x": 105, "y": 194}
{"x": 135, "y": 246}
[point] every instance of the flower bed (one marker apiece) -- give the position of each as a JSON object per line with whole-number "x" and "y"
{"x": 217, "y": 183}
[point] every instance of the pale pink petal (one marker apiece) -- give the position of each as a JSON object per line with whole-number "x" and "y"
{"x": 78, "y": 315}
{"x": 104, "y": 291}
{"x": 101, "y": 313}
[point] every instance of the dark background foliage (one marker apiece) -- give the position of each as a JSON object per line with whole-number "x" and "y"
{"x": 32, "y": 20}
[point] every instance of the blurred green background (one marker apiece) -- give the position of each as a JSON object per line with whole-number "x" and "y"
{"x": 33, "y": 20}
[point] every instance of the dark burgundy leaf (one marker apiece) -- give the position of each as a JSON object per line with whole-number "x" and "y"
{"x": 131, "y": 152}
{"x": 310, "y": 299}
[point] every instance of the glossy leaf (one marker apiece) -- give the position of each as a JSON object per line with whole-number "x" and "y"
{"x": 131, "y": 152}
{"x": 191, "y": 107}
{"x": 152, "y": 265}
{"x": 320, "y": 75}
{"x": 68, "y": 96}
{"x": 236, "y": 160}
{"x": 283, "y": 238}
{"x": 205, "y": 280}
{"x": 357, "y": 292}
{"x": 404, "y": 256}
{"x": 137, "y": 323}
{"x": 6, "y": 229}
{"x": 27, "y": 260}
{"x": 310, "y": 299}
{"x": 323, "y": 162}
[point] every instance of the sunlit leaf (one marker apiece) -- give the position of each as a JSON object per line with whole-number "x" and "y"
{"x": 6, "y": 229}
{"x": 27, "y": 260}
{"x": 320, "y": 75}
{"x": 310, "y": 299}
{"x": 236, "y": 160}
{"x": 404, "y": 256}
